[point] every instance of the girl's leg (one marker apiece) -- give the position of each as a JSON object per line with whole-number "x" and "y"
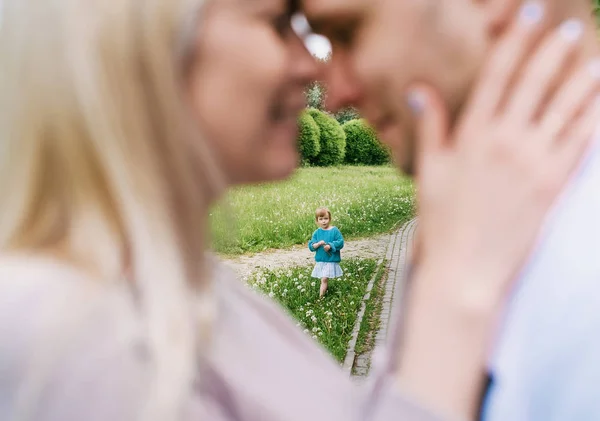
{"x": 323, "y": 287}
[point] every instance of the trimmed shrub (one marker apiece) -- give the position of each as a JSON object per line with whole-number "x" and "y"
{"x": 332, "y": 139}
{"x": 309, "y": 138}
{"x": 362, "y": 145}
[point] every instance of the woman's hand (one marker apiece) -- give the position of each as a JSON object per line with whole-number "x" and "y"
{"x": 484, "y": 190}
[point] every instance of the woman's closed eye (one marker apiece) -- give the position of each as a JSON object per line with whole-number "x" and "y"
{"x": 282, "y": 24}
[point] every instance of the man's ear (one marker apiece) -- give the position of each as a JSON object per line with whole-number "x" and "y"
{"x": 498, "y": 13}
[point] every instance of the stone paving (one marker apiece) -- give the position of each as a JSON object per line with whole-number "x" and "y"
{"x": 397, "y": 258}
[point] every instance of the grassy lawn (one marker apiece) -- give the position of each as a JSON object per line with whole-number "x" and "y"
{"x": 330, "y": 320}
{"x": 372, "y": 318}
{"x": 363, "y": 200}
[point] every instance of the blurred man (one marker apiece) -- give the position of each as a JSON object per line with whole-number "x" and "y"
{"x": 546, "y": 365}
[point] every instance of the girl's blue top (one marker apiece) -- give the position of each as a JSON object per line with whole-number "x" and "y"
{"x": 334, "y": 238}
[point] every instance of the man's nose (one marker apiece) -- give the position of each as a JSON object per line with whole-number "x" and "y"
{"x": 343, "y": 88}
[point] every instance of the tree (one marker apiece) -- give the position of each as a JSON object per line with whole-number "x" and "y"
{"x": 315, "y": 94}
{"x": 347, "y": 114}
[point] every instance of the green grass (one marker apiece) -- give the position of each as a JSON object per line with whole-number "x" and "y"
{"x": 329, "y": 320}
{"x": 363, "y": 200}
{"x": 372, "y": 318}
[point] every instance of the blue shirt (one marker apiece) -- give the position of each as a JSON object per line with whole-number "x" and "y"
{"x": 334, "y": 238}
{"x": 546, "y": 366}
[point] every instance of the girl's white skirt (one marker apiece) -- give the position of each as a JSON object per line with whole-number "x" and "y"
{"x": 327, "y": 270}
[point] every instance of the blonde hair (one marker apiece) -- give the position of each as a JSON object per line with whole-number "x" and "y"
{"x": 96, "y": 142}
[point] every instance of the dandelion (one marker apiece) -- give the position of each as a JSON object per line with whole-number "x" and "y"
{"x": 299, "y": 287}
{"x": 320, "y": 333}
{"x": 315, "y": 330}
{"x": 271, "y": 294}
{"x": 312, "y": 284}
{"x": 300, "y": 276}
{"x": 305, "y": 330}
{"x": 314, "y": 319}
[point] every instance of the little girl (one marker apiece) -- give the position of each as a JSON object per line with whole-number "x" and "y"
{"x": 327, "y": 241}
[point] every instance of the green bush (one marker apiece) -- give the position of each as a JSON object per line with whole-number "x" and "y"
{"x": 309, "y": 138}
{"x": 362, "y": 145}
{"x": 332, "y": 139}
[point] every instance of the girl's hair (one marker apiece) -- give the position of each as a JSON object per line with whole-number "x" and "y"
{"x": 99, "y": 162}
{"x": 321, "y": 212}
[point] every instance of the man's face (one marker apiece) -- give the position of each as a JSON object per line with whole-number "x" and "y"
{"x": 380, "y": 47}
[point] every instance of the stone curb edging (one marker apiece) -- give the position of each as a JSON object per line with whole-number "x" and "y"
{"x": 351, "y": 352}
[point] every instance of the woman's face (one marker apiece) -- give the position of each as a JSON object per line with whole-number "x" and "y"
{"x": 247, "y": 86}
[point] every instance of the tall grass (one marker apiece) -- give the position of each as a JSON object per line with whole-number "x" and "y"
{"x": 329, "y": 320}
{"x": 363, "y": 200}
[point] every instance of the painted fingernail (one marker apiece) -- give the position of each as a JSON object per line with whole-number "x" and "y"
{"x": 571, "y": 30}
{"x": 416, "y": 101}
{"x": 531, "y": 12}
{"x": 594, "y": 68}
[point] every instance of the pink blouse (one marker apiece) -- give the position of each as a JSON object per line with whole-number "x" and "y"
{"x": 82, "y": 341}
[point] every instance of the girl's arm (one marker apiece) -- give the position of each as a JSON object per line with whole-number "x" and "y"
{"x": 338, "y": 242}
{"x": 313, "y": 241}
